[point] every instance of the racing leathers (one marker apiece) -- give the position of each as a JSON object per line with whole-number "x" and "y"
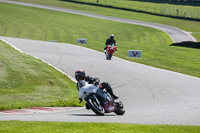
{"x": 110, "y": 41}
{"x": 83, "y": 85}
{"x": 103, "y": 85}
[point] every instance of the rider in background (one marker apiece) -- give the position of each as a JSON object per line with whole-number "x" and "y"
{"x": 109, "y": 41}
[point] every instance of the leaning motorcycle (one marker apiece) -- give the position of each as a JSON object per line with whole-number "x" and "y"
{"x": 110, "y": 51}
{"x": 91, "y": 94}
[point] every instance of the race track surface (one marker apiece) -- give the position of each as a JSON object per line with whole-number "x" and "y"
{"x": 150, "y": 95}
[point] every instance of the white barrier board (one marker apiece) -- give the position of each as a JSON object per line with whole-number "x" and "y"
{"x": 135, "y": 53}
{"x": 81, "y": 40}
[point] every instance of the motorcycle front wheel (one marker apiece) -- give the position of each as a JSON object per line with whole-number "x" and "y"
{"x": 96, "y": 108}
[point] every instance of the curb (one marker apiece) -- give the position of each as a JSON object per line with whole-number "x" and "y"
{"x": 33, "y": 110}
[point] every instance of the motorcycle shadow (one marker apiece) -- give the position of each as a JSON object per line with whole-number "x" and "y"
{"x": 107, "y": 60}
{"x": 92, "y": 115}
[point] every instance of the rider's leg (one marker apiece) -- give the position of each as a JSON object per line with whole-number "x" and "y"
{"x": 105, "y": 49}
{"x": 107, "y": 86}
{"x": 100, "y": 95}
{"x": 107, "y": 105}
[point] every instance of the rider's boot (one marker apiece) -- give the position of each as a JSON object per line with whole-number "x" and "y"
{"x": 109, "y": 89}
{"x": 114, "y": 96}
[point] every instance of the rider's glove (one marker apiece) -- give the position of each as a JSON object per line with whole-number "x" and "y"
{"x": 87, "y": 78}
{"x": 80, "y": 100}
{"x": 96, "y": 83}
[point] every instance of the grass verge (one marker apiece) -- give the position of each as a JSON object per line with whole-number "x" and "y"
{"x": 150, "y": 7}
{"x": 190, "y": 26}
{"x": 72, "y": 127}
{"x": 28, "y": 82}
{"x": 41, "y": 24}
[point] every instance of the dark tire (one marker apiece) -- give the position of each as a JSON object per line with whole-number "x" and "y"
{"x": 98, "y": 109}
{"x": 110, "y": 56}
{"x": 120, "y": 108}
{"x": 107, "y": 56}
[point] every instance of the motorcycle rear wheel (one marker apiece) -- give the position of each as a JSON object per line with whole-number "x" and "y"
{"x": 95, "y": 107}
{"x": 120, "y": 108}
{"x": 110, "y": 56}
{"x": 107, "y": 56}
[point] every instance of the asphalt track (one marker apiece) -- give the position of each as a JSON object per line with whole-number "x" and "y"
{"x": 150, "y": 95}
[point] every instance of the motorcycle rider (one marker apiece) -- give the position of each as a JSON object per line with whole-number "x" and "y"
{"x": 109, "y": 41}
{"x": 81, "y": 79}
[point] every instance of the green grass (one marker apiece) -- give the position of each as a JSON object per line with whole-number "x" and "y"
{"x": 22, "y": 83}
{"x": 66, "y": 27}
{"x": 164, "y": 9}
{"x": 28, "y": 87}
{"x": 72, "y": 127}
{"x": 190, "y": 26}
{"x": 25, "y": 82}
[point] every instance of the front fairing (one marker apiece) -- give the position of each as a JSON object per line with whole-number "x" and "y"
{"x": 87, "y": 90}
{"x": 110, "y": 48}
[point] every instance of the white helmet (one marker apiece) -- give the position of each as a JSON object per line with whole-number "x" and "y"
{"x": 112, "y": 36}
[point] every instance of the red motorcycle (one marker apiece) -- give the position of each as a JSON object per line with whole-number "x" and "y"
{"x": 110, "y": 51}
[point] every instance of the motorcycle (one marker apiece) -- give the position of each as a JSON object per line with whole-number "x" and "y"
{"x": 110, "y": 51}
{"x": 93, "y": 97}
